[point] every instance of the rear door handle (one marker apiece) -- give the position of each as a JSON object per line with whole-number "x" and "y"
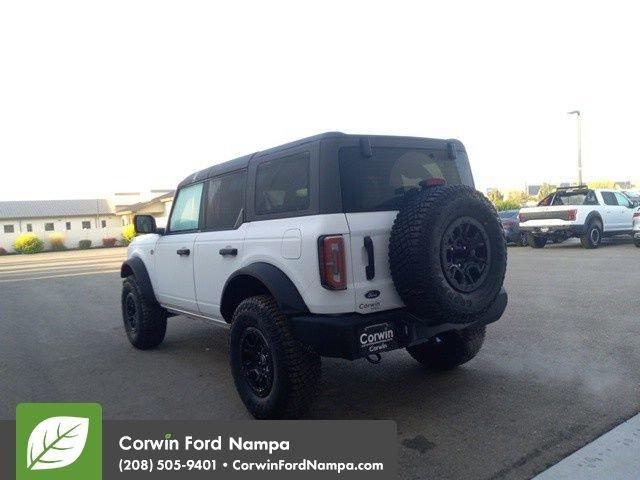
{"x": 183, "y": 252}
{"x": 228, "y": 251}
{"x": 370, "y": 270}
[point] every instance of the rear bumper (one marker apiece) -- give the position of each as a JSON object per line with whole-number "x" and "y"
{"x": 352, "y": 335}
{"x": 571, "y": 230}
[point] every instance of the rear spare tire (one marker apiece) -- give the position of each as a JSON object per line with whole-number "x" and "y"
{"x": 447, "y": 253}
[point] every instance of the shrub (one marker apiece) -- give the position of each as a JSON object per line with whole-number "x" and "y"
{"x": 84, "y": 244}
{"x": 2, "y": 251}
{"x": 109, "y": 242}
{"x": 57, "y": 241}
{"x": 28, "y": 243}
{"x": 507, "y": 205}
{"x": 128, "y": 233}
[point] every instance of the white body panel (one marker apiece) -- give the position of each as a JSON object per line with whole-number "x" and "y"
{"x": 377, "y": 226}
{"x": 174, "y": 286}
{"x": 211, "y": 269}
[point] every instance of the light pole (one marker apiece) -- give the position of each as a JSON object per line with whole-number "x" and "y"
{"x": 579, "y": 119}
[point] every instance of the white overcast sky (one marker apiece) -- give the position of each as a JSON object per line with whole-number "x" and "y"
{"x": 99, "y": 97}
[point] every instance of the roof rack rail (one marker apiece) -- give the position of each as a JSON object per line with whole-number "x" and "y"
{"x": 571, "y": 187}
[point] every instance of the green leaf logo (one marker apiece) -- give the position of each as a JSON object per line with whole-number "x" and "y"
{"x": 56, "y": 442}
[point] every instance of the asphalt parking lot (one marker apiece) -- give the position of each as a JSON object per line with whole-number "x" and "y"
{"x": 557, "y": 371}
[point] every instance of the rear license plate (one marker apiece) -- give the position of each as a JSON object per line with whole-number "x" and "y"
{"x": 377, "y": 338}
{"x": 544, "y": 229}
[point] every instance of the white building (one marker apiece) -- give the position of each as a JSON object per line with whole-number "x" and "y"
{"x": 76, "y": 219}
{"x": 159, "y": 207}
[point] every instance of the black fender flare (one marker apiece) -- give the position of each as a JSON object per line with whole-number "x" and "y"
{"x": 135, "y": 266}
{"x": 593, "y": 215}
{"x": 280, "y": 286}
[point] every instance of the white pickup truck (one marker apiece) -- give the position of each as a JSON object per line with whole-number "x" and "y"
{"x": 589, "y": 214}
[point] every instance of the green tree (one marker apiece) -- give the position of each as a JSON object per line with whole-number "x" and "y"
{"x": 602, "y": 184}
{"x": 545, "y": 189}
{"x": 495, "y": 195}
{"x": 518, "y": 196}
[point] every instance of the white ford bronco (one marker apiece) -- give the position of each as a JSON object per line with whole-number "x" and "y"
{"x": 336, "y": 245}
{"x": 582, "y": 212}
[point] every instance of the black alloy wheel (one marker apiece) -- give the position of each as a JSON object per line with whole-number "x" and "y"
{"x": 465, "y": 254}
{"x": 257, "y": 362}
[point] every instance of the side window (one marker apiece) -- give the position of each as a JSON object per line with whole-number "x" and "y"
{"x": 225, "y": 202}
{"x": 282, "y": 185}
{"x": 546, "y": 201}
{"x": 186, "y": 210}
{"x": 622, "y": 200}
{"x": 591, "y": 198}
{"x": 609, "y": 198}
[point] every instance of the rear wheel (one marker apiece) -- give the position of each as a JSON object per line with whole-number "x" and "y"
{"x": 592, "y": 236}
{"x": 276, "y": 376}
{"x": 449, "y": 349}
{"x": 536, "y": 241}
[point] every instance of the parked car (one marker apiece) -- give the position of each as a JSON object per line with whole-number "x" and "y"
{"x": 636, "y": 228}
{"x": 588, "y": 214}
{"x": 336, "y": 245}
{"x": 511, "y": 227}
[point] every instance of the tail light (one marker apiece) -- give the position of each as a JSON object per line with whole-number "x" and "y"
{"x": 333, "y": 271}
{"x": 572, "y": 214}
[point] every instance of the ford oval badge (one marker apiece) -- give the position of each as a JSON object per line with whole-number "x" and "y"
{"x": 372, "y": 294}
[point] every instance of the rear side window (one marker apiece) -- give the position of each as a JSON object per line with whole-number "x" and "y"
{"x": 225, "y": 202}
{"x": 282, "y": 185}
{"x": 186, "y": 209}
{"x": 609, "y": 198}
{"x": 581, "y": 197}
{"x": 379, "y": 183}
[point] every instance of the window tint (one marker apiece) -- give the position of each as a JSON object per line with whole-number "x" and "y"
{"x": 581, "y": 197}
{"x": 380, "y": 182}
{"x": 86, "y": 225}
{"x": 225, "y": 202}
{"x": 622, "y": 200}
{"x": 609, "y": 198}
{"x": 48, "y": 227}
{"x": 282, "y": 185}
{"x": 186, "y": 210}
{"x": 8, "y": 229}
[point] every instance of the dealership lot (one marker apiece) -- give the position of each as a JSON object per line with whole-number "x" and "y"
{"x": 557, "y": 371}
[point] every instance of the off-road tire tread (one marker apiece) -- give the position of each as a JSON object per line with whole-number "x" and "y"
{"x": 421, "y": 289}
{"x": 302, "y": 363}
{"x": 153, "y": 318}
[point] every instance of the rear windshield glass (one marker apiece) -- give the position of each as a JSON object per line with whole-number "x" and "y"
{"x": 379, "y": 183}
{"x": 582, "y": 197}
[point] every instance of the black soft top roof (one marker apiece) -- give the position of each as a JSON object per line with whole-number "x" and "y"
{"x": 243, "y": 162}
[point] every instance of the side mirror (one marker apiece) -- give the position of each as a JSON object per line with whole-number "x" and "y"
{"x": 144, "y": 224}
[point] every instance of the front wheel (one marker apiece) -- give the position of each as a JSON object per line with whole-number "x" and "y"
{"x": 536, "y": 241}
{"x": 592, "y": 236}
{"x": 276, "y": 376}
{"x": 144, "y": 322}
{"x": 449, "y": 349}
